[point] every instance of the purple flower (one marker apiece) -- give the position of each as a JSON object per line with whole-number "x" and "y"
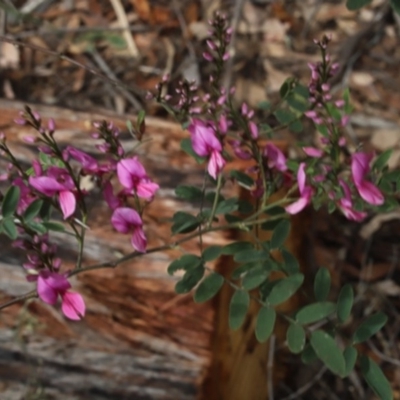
{"x": 367, "y": 190}
{"x": 51, "y": 284}
{"x": 132, "y": 176}
{"x": 275, "y": 157}
{"x": 306, "y": 192}
{"x": 206, "y": 144}
{"x": 346, "y": 205}
{"x": 126, "y": 220}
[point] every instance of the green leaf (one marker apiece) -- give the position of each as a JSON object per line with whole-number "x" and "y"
{"x": 191, "y": 278}
{"x": 45, "y": 211}
{"x": 184, "y": 223}
{"x": 239, "y": 271}
{"x": 265, "y": 323}
{"x": 251, "y": 255}
{"x": 296, "y": 338}
{"x": 208, "y": 288}
{"x": 255, "y": 277}
{"x": 296, "y": 126}
{"x": 285, "y": 88}
{"x": 211, "y": 253}
{"x": 353, "y": 5}
{"x": 10, "y": 201}
{"x": 375, "y": 378}
{"x": 322, "y": 284}
{"x": 308, "y": 355}
{"x": 238, "y": 309}
{"x": 291, "y": 265}
{"x": 9, "y": 228}
{"x": 236, "y": 247}
{"x": 382, "y": 160}
{"x": 186, "y": 146}
{"x": 190, "y": 193}
{"x": 280, "y": 234}
{"x": 244, "y": 179}
{"x": 37, "y": 227}
{"x": 369, "y": 327}
{"x": 285, "y": 116}
{"x": 285, "y": 288}
{"x": 395, "y": 5}
{"x": 54, "y": 226}
{"x": 328, "y": 352}
{"x": 315, "y": 312}
{"x": 186, "y": 262}
{"x": 350, "y": 357}
{"x": 345, "y": 302}
{"x": 297, "y": 102}
{"x": 33, "y": 210}
{"x": 227, "y": 206}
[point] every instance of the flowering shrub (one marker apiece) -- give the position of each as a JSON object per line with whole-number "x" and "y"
{"x": 218, "y": 134}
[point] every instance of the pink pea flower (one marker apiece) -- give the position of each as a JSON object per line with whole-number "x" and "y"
{"x": 26, "y": 196}
{"x": 306, "y": 192}
{"x": 126, "y": 220}
{"x": 313, "y": 152}
{"x": 205, "y": 143}
{"x": 275, "y": 157}
{"x": 367, "y": 190}
{"x": 51, "y": 284}
{"x": 89, "y": 164}
{"x": 132, "y": 176}
{"x": 346, "y": 205}
{"x": 57, "y": 182}
{"x": 109, "y": 196}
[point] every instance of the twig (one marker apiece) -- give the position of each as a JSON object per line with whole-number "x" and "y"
{"x": 93, "y": 71}
{"x": 25, "y": 296}
{"x": 270, "y": 367}
{"x": 307, "y": 386}
{"x": 234, "y": 24}
{"x": 123, "y": 21}
{"x": 111, "y": 76}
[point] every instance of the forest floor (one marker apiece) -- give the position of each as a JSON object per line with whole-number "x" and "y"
{"x": 78, "y": 55}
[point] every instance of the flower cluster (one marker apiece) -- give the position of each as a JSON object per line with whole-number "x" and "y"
{"x": 54, "y": 182}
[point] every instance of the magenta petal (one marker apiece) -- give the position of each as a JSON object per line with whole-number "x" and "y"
{"x": 124, "y": 219}
{"x": 138, "y": 240}
{"x": 67, "y": 203}
{"x": 215, "y": 164}
{"x": 146, "y": 190}
{"x": 46, "y": 185}
{"x": 129, "y": 170}
{"x": 73, "y": 305}
{"x": 301, "y": 178}
{"x": 45, "y": 291}
{"x": 276, "y": 159}
{"x": 313, "y": 152}
{"x": 370, "y": 193}
{"x": 360, "y": 166}
{"x": 112, "y": 200}
{"x": 297, "y": 206}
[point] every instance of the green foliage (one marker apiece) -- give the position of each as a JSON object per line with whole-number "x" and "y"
{"x": 373, "y": 324}
{"x": 9, "y": 228}
{"x": 322, "y": 284}
{"x": 184, "y": 222}
{"x": 375, "y": 378}
{"x": 382, "y": 160}
{"x": 350, "y": 357}
{"x": 395, "y": 5}
{"x": 191, "y": 278}
{"x": 265, "y": 323}
{"x": 251, "y": 255}
{"x": 345, "y": 302}
{"x": 328, "y": 352}
{"x": 227, "y": 206}
{"x": 244, "y": 179}
{"x": 280, "y": 234}
{"x": 315, "y": 312}
{"x": 296, "y": 338}
{"x": 10, "y": 201}
{"x": 285, "y": 288}
{"x": 255, "y": 276}
{"x": 238, "y": 309}
{"x": 236, "y": 247}
{"x": 208, "y": 287}
{"x": 211, "y": 253}
{"x": 353, "y": 5}
{"x": 190, "y": 193}
{"x": 53, "y": 226}
{"x": 186, "y": 262}
{"x": 33, "y": 210}
{"x": 290, "y": 265}
{"x": 308, "y": 355}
